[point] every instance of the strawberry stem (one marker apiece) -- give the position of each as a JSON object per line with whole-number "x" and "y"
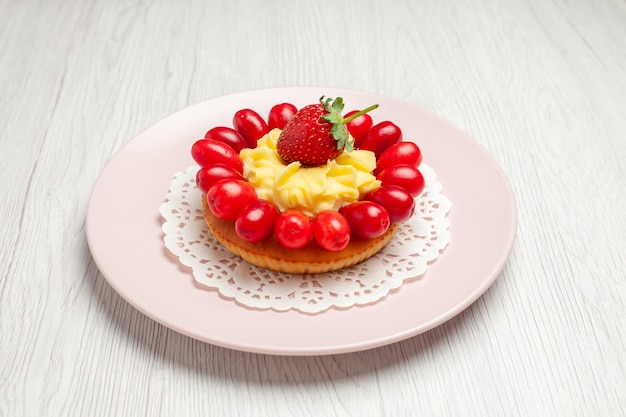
{"x": 360, "y": 113}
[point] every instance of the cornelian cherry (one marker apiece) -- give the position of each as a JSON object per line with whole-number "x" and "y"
{"x": 401, "y": 153}
{"x": 293, "y": 229}
{"x": 256, "y": 221}
{"x": 398, "y": 202}
{"x": 405, "y": 176}
{"x": 209, "y": 175}
{"x": 331, "y": 230}
{"x": 380, "y": 137}
{"x": 210, "y": 151}
{"x": 228, "y": 136}
{"x": 250, "y": 125}
{"x": 227, "y": 198}
{"x": 280, "y": 114}
{"x": 367, "y": 219}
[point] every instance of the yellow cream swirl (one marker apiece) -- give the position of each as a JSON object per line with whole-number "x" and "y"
{"x": 310, "y": 189}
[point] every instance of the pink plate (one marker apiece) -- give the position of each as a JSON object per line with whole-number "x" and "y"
{"x": 126, "y": 241}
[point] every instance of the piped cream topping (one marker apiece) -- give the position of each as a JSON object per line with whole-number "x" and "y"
{"x": 341, "y": 181}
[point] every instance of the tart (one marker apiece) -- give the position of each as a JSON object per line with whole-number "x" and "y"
{"x": 347, "y": 182}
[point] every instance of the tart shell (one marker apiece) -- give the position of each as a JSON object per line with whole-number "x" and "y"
{"x": 312, "y": 259}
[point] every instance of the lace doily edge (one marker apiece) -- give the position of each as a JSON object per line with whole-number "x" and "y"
{"x": 316, "y": 309}
{"x": 170, "y": 225}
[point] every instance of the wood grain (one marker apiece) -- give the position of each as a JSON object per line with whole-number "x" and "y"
{"x": 540, "y": 84}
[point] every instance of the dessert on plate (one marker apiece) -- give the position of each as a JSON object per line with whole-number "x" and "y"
{"x": 308, "y": 190}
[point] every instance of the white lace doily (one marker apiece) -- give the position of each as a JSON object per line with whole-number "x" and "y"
{"x": 416, "y": 243}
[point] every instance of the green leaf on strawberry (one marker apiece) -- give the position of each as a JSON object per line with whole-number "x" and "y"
{"x": 339, "y": 131}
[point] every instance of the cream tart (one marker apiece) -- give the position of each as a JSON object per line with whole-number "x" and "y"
{"x": 307, "y": 166}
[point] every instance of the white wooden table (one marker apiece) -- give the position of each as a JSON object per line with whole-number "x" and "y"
{"x": 541, "y": 84}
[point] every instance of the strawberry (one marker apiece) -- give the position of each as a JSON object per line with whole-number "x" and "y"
{"x": 317, "y": 133}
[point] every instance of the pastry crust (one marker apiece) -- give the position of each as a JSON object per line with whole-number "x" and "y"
{"x": 311, "y": 259}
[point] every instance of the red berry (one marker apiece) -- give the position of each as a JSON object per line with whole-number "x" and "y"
{"x": 401, "y": 153}
{"x": 331, "y": 230}
{"x": 405, "y": 176}
{"x": 380, "y": 137}
{"x": 228, "y": 136}
{"x": 293, "y": 229}
{"x": 308, "y": 139}
{"x": 316, "y": 134}
{"x": 398, "y": 202}
{"x": 209, "y": 175}
{"x": 256, "y": 221}
{"x": 210, "y": 152}
{"x": 280, "y": 114}
{"x": 367, "y": 219}
{"x": 227, "y": 198}
{"x": 250, "y": 125}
